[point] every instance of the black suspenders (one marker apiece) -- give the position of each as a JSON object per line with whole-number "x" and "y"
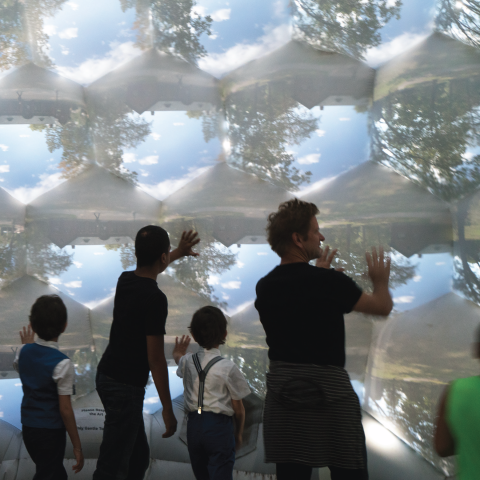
{"x": 202, "y": 374}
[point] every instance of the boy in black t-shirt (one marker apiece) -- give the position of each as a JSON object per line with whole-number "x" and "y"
{"x": 136, "y": 347}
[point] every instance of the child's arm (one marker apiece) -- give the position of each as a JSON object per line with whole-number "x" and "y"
{"x": 180, "y": 348}
{"x": 68, "y": 417}
{"x": 239, "y": 413}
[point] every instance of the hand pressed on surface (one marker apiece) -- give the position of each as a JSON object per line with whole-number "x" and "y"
{"x": 170, "y": 423}
{"x": 79, "y": 458}
{"x": 378, "y": 266}
{"x": 187, "y": 242}
{"x": 180, "y": 348}
{"x": 326, "y": 259}
{"x": 27, "y": 335}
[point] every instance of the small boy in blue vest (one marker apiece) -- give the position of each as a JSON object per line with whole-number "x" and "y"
{"x": 47, "y": 377}
{"x": 213, "y": 390}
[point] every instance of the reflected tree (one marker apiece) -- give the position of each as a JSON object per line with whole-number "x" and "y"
{"x": 460, "y": 19}
{"x": 347, "y": 27}
{"x": 194, "y": 273}
{"x": 467, "y": 260}
{"x": 30, "y": 251}
{"x": 424, "y": 133}
{"x": 352, "y": 243}
{"x": 22, "y": 35}
{"x": 103, "y": 134}
{"x": 172, "y": 26}
{"x": 264, "y": 122}
{"x": 127, "y": 254}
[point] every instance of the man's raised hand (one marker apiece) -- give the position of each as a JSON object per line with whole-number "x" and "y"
{"x": 187, "y": 242}
{"x": 378, "y": 266}
{"x": 325, "y": 260}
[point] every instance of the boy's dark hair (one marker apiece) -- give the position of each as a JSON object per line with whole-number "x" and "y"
{"x": 293, "y": 216}
{"x": 209, "y": 326}
{"x": 48, "y": 316}
{"x": 151, "y": 243}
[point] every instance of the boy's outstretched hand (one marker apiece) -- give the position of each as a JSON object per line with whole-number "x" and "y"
{"x": 180, "y": 348}
{"x": 27, "y": 335}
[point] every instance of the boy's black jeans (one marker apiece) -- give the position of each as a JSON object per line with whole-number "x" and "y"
{"x": 124, "y": 452}
{"x": 46, "y": 447}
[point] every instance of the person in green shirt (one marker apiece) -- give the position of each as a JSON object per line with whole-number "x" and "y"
{"x": 457, "y": 429}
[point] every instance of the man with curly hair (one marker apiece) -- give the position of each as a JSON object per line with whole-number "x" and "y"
{"x": 312, "y": 415}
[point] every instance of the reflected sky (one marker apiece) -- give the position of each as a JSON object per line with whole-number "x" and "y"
{"x": 206, "y": 115}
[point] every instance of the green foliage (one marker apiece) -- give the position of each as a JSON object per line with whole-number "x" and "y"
{"x": 264, "y": 122}
{"x": 347, "y": 27}
{"x": 460, "y": 21}
{"x": 170, "y": 25}
{"x": 424, "y": 132}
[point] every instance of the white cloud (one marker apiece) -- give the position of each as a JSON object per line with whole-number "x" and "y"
{"x": 213, "y": 36}
{"x": 151, "y": 400}
{"x": 320, "y": 133}
{"x": 163, "y": 189}
{"x": 50, "y": 30}
{"x": 262, "y": 253}
{"x": 178, "y": 124}
{"x": 55, "y": 281}
{"x": 199, "y": 10}
{"x": 156, "y": 136}
{"x": 417, "y": 278}
{"x": 99, "y": 253}
{"x": 214, "y": 280}
{"x": 150, "y": 160}
{"x": 129, "y": 157}
{"x": 221, "y": 63}
{"x": 78, "y": 264}
{"x": 344, "y": 119}
{"x": 404, "y": 299}
{"x": 94, "y": 68}
{"x": 240, "y": 264}
{"x": 69, "y": 33}
{"x": 46, "y": 183}
{"x": 4, "y": 168}
{"x": 378, "y": 55}
{"x": 24, "y": 136}
{"x": 309, "y": 159}
{"x": 74, "y": 284}
{"x": 232, "y": 285}
{"x": 225, "y": 296}
{"x": 65, "y": 50}
{"x": 221, "y": 15}
{"x": 3, "y": 147}
{"x": 73, "y": 6}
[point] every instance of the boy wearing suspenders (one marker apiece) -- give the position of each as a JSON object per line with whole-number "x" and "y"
{"x": 214, "y": 388}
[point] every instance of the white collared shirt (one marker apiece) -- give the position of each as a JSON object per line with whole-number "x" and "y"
{"x": 63, "y": 374}
{"x": 223, "y": 383}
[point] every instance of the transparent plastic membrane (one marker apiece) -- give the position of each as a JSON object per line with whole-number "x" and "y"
{"x": 122, "y": 113}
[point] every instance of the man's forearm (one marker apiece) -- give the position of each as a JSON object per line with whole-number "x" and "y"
{"x": 160, "y": 378}
{"x": 381, "y": 291}
{"x": 175, "y": 255}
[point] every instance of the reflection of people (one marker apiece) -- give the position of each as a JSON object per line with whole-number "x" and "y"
{"x": 135, "y": 348}
{"x": 457, "y": 429}
{"x": 47, "y": 377}
{"x": 210, "y": 435}
{"x": 312, "y": 415}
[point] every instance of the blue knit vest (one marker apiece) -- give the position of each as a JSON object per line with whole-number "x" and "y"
{"x": 40, "y": 406}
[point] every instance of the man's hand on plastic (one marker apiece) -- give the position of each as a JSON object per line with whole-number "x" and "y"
{"x": 326, "y": 258}
{"x": 378, "y": 266}
{"x": 187, "y": 242}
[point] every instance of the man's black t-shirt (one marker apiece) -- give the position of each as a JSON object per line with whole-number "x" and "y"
{"x": 140, "y": 309}
{"x": 301, "y": 308}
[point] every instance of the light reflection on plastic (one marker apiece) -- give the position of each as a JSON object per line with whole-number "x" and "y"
{"x": 380, "y": 437}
